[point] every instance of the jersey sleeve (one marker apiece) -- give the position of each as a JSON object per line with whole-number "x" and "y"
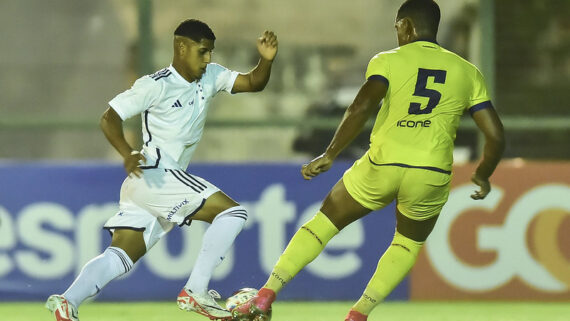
{"x": 378, "y": 68}
{"x": 222, "y": 77}
{"x": 479, "y": 98}
{"x": 141, "y": 96}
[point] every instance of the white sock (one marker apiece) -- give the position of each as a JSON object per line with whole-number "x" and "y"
{"x": 216, "y": 242}
{"x": 113, "y": 262}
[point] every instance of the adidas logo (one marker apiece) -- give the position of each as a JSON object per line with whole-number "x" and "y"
{"x": 177, "y": 104}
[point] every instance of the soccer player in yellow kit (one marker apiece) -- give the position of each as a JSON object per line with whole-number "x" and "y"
{"x": 425, "y": 89}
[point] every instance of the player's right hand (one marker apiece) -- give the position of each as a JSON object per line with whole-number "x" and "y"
{"x": 132, "y": 163}
{"x": 485, "y": 187}
{"x": 318, "y": 165}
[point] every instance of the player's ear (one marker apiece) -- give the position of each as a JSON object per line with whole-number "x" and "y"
{"x": 180, "y": 46}
{"x": 409, "y": 27}
{"x": 405, "y": 24}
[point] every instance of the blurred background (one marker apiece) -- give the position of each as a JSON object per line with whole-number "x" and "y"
{"x": 63, "y": 60}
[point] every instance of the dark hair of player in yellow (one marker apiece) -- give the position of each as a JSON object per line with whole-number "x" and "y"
{"x": 424, "y": 13}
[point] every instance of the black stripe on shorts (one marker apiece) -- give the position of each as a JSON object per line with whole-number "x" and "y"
{"x": 192, "y": 178}
{"x": 185, "y": 181}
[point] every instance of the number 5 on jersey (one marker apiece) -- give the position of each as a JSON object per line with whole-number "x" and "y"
{"x": 421, "y": 90}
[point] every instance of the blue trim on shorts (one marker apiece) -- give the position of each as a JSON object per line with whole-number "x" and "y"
{"x": 429, "y": 168}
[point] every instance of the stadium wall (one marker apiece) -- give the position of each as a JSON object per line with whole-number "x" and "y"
{"x": 513, "y": 245}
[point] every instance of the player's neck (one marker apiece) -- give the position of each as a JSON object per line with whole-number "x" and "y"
{"x": 424, "y": 37}
{"x": 182, "y": 71}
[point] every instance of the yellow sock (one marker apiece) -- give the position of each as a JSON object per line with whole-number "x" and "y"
{"x": 392, "y": 267}
{"x": 303, "y": 248}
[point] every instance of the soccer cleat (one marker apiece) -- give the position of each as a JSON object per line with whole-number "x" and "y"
{"x": 355, "y": 316}
{"x": 258, "y": 308}
{"x": 204, "y": 304}
{"x": 62, "y": 310}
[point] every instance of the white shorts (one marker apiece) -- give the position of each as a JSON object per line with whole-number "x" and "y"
{"x": 159, "y": 200}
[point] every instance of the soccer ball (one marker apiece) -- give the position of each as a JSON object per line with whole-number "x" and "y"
{"x": 241, "y": 296}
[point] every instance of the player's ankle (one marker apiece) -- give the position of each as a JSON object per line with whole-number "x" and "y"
{"x": 265, "y": 298}
{"x": 267, "y": 293}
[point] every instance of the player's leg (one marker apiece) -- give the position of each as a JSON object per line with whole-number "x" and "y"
{"x": 394, "y": 264}
{"x": 350, "y": 199}
{"x": 421, "y": 199}
{"x": 227, "y": 219}
{"x": 339, "y": 209}
{"x": 126, "y": 248}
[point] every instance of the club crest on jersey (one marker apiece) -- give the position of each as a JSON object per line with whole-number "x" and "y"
{"x": 177, "y": 104}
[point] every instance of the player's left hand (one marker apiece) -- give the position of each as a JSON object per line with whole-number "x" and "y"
{"x": 485, "y": 187}
{"x": 318, "y": 165}
{"x": 267, "y": 45}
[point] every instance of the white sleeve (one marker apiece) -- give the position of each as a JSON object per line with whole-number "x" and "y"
{"x": 141, "y": 96}
{"x": 223, "y": 77}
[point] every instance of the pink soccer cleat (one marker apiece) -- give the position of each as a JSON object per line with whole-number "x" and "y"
{"x": 355, "y": 316}
{"x": 258, "y": 308}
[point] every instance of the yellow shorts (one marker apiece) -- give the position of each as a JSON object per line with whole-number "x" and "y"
{"x": 419, "y": 193}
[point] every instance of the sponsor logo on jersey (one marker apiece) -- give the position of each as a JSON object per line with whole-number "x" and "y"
{"x": 413, "y": 124}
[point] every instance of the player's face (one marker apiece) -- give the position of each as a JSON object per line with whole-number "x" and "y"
{"x": 197, "y": 56}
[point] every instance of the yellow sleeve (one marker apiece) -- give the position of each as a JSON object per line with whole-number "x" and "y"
{"x": 479, "y": 98}
{"x": 378, "y": 67}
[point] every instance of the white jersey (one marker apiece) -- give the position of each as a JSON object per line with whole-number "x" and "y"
{"x": 173, "y": 112}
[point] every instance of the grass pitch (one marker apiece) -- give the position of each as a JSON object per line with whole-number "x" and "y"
{"x": 308, "y": 311}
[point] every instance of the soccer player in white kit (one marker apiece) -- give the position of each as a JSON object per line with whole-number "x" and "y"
{"x": 158, "y": 193}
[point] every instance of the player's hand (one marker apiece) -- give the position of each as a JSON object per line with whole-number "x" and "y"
{"x": 318, "y": 165}
{"x": 484, "y": 187}
{"x": 132, "y": 163}
{"x": 267, "y": 45}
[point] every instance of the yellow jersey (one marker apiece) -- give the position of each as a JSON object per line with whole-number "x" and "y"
{"x": 429, "y": 88}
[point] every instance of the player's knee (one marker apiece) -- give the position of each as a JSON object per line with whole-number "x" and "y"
{"x": 407, "y": 244}
{"x": 131, "y": 242}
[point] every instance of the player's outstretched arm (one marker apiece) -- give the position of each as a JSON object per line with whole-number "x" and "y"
{"x": 489, "y": 123}
{"x": 112, "y": 126}
{"x": 256, "y": 79}
{"x": 365, "y": 104}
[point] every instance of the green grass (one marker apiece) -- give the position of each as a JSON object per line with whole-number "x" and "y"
{"x": 309, "y": 311}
